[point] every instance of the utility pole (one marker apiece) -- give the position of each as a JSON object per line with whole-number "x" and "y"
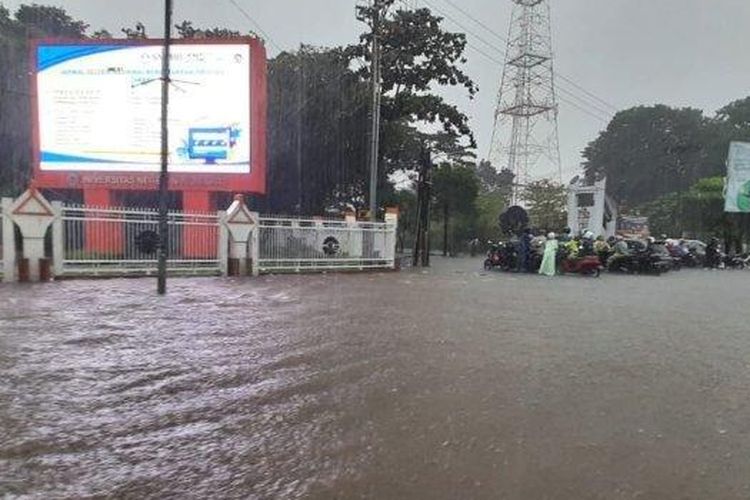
{"x": 421, "y": 253}
{"x": 525, "y": 139}
{"x": 164, "y": 174}
{"x": 375, "y": 111}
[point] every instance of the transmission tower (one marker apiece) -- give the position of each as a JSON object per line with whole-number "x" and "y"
{"x": 524, "y": 138}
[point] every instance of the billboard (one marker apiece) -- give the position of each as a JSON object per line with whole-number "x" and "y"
{"x": 97, "y": 113}
{"x": 737, "y": 197}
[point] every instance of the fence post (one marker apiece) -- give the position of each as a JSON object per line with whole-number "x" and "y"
{"x": 255, "y": 246}
{"x": 33, "y": 216}
{"x": 58, "y": 239}
{"x": 9, "y": 243}
{"x": 223, "y": 243}
{"x": 240, "y": 224}
{"x": 391, "y": 228}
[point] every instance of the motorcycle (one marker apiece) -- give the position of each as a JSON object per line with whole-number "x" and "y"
{"x": 736, "y": 261}
{"x": 501, "y": 255}
{"x": 589, "y": 265}
{"x": 639, "y": 262}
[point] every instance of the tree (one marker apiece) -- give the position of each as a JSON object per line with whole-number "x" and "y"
{"x": 46, "y": 21}
{"x": 647, "y": 152}
{"x": 317, "y": 131}
{"x": 136, "y": 33}
{"x": 698, "y": 212}
{"x": 186, "y": 30}
{"x": 102, "y": 34}
{"x": 546, "y": 204}
{"x": 455, "y": 189}
{"x": 735, "y": 116}
{"x": 492, "y": 180}
{"x": 29, "y": 21}
{"x": 489, "y": 206}
{"x": 418, "y": 55}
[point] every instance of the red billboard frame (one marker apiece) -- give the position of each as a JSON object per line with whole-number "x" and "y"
{"x": 254, "y": 182}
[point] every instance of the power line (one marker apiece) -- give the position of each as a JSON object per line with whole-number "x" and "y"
{"x": 605, "y": 115}
{"x": 601, "y": 115}
{"x": 504, "y": 40}
{"x": 256, "y": 24}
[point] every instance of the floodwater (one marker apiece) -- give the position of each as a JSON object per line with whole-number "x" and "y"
{"x": 447, "y": 384}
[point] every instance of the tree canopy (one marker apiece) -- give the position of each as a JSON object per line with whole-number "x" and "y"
{"x": 546, "y": 202}
{"x": 647, "y": 152}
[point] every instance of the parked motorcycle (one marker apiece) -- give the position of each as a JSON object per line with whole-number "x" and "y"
{"x": 639, "y": 262}
{"x": 503, "y": 256}
{"x": 736, "y": 261}
{"x": 589, "y": 265}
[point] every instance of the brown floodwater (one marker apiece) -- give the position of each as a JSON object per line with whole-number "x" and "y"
{"x": 446, "y": 384}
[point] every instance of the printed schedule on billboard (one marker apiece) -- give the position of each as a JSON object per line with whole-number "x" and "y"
{"x": 99, "y": 108}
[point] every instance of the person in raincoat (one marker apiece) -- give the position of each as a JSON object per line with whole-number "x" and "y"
{"x": 550, "y": 256}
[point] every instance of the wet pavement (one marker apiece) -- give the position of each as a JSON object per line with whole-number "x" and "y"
{"x": 447, "y": 384}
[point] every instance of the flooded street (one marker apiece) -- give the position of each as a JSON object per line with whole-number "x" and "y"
{"x": 446, "y": 384}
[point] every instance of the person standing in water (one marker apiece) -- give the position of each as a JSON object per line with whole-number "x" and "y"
{"x": 550, "y": 256}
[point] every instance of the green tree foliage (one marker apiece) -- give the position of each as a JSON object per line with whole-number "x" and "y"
{"x": 317, "y": 131}
{"x": 647, "y": 152}
{"x": 418, "y": 55}
{"x": 186, "y": 30}
{"x": 489, "y": 206}
{"x": 29, "y": 21}
{"x": 137, "y": 32}
{"x": 45, "y": 21}
{"x": 492, "y": 180}
{"x": 697, "y": 212}
{"x": 495, "y": 191}
{"x": 102, "y": 34}
{"x": 546, "y": 205}
{"x": 735, "y": 118}
{"x": 455, "y": 188}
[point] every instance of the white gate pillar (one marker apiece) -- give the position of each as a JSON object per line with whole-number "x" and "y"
{"x": 242, "y": 226}
{"x": 58, "y": 240}
{"x": 391, "y": 240}
{"x": 33, "y": 216}
{"x": 9, "y": 243}
{"x": 223, "y": 243}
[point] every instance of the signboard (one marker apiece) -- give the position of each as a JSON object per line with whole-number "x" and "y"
{"x": 97, "y": 112}
{"x": 737, "y": 197}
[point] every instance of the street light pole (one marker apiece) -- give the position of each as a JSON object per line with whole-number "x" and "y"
{"x": 375, "y": 112}
{"x": 164, "y": 174}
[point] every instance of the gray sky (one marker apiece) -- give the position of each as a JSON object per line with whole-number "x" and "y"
{"x": 628, "y": 52}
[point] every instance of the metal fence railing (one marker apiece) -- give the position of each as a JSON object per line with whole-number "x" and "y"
{"x": 291, "y": 244}
{"x": 120, "y": 241}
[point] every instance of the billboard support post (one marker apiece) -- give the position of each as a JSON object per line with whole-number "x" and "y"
{"x": 164, "y": 174}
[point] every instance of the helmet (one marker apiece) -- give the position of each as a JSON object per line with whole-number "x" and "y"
{"x": 551, "y": 236}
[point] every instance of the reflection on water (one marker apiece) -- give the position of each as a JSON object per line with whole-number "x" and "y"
{"x": 451, "y": 384}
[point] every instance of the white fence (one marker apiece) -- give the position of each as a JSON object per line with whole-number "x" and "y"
{"x": 287, "y": 244}
{"x": 100, "y": 241}
{"x": 94, "y": 241}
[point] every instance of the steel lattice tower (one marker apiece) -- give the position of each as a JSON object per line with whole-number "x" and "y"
{"x": 524, "y": 138}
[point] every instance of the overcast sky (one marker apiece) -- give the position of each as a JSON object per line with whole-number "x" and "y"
{"x": 627, "y": 52}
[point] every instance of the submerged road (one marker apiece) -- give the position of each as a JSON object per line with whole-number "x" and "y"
{"x": 446, "y": 384}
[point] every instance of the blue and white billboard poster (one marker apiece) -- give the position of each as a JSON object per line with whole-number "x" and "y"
{"x": 738, "y": 178}
{"x": 99, "y": 108}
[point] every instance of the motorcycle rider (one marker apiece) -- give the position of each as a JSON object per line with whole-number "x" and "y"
{"x": 524, "y": 250}
{"x": 602, "y": 248}
{"x": 572, "y": 247}
{"x": 713, "y": 255}
{"x": 621, "y": 252}
{"x": 587, "y": 244}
